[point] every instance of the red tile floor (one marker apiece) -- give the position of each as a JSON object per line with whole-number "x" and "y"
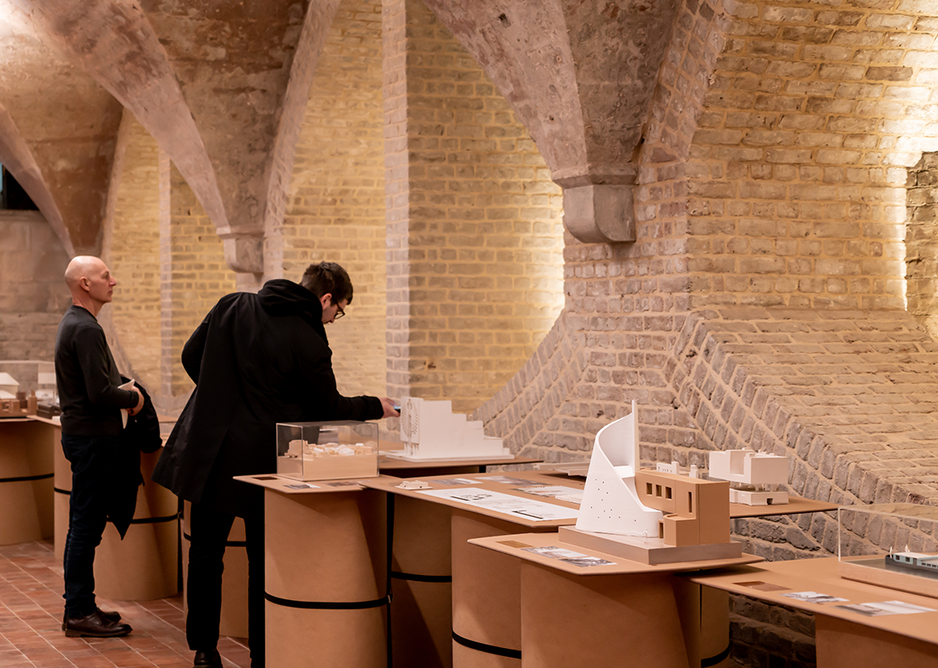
{"x": 31, "y": 608}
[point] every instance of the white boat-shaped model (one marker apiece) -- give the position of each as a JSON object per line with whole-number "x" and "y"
{"x": 915, "y": 561}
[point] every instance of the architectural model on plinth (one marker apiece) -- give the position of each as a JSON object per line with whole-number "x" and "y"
{"x": 648, "y": 516}
{"x": 890, "y": 564}
{"x": 753, "y": 476}
{"x": 430, "y": 430}
{"x": 327, "y": 450}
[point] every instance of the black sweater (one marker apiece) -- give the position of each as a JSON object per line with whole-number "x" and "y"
{"x": 87, "y": 378}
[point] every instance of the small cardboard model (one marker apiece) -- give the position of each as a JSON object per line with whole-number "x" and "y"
{"x": 611, "y": 503}
{"x": 430, "y": 430}
{"x": 752, "y": 475}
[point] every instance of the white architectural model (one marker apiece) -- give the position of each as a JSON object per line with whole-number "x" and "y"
{"x": 752, "y": 476}
{"x": 430, "y": 430}
{"x": 610, "y": 502}
{"x": 8, "y": 386}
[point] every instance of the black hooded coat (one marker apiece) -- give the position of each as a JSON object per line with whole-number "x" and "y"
{"x": 256, "y": 359}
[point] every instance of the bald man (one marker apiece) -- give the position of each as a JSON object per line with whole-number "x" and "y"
{"x": 91, "y": 399}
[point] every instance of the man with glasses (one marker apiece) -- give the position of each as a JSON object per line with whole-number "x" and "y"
{"x": 256, "y": 359}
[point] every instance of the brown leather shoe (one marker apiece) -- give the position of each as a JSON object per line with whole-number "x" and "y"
{"x": 110, "y": 615}
{"x": 95, "y": 625}
{"x": 207, "y": 659}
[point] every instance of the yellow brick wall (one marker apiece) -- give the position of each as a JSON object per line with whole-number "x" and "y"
{"x": 480, "y": 237}
{"x": 336, "y": 204}
{"x": 799, "y": 161}
{"x": 131, "y": 249}
{"x": 194, "y": 275}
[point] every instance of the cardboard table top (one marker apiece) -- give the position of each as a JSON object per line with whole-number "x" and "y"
{"x": 447, "y": 490}
{"x": 771, "y": 581}
{"x": 530, "y": 547}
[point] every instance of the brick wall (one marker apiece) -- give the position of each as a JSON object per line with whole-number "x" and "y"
{"x": 33, "y": 296}
{"x": 193, "y": 273}
{"x": 131, "y": 250}
{"x": 921, "y": 248}
{"x": 474, "y": 225}
{"x": 336, "y": 204}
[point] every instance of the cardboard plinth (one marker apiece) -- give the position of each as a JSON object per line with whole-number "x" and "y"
{"x": 63, "y": 486}
{"x": 326, "y": 548}
{"x": 142, "y": 566}
{"x": 325, "y": 638}
{"x": 486, "y": 593}
{"x": 603, "y": 620}
{"x": 652, "y": 551}
{"x": 843, "y": 643}
{"x": 234, "y": 584}
{"x": 421, "y": 612}
{"x": 892, "y": 579}
{"x": 25, "y": 451}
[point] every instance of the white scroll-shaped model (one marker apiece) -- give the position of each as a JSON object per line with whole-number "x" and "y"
{"x": 430, "y": 430}
{"x": 610, "y": 502}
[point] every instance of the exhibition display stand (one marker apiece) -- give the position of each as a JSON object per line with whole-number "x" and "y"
{"x": 326, "y": 573}
{"x": 26, "y": 478}
{"x": 844, "y": 636}
{"x": 604, "y": 615}
{"x": 482, "y": 628}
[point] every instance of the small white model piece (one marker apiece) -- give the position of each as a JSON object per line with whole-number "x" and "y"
{"x": 8, "y": 386}
{"x": 430, "y": 430}
{"x": 610, "y": 502}
{"x": 753, "y": 476}
{"x": 414, "y": 484}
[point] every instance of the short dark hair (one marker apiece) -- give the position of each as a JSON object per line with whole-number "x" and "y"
{"x": 328, "y": 278}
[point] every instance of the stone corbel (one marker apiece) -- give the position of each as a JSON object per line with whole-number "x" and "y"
{"x": 244, "y": 250}
{"x": 599, "y": 213}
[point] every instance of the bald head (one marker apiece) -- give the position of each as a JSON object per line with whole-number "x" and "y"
{"x": 90, "y": 282}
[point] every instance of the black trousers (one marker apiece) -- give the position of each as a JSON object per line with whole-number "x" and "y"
{"x": 208, "y": 531}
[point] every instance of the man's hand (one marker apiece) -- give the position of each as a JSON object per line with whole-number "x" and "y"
{"x": 389, "y": 407}
{"x": 139, "y": 407}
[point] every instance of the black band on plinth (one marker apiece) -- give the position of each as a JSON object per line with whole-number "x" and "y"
{"x": 28, "y": 478}
{"x": 155, "y": 520}
{"x": 715, "y": 660}
{"x": 417, "y": 577}
{"x": 323, "y": 605}
{"x": 229, "y": 543}
{"x": 66, "y": 492}
{"x": 488, "y": 649}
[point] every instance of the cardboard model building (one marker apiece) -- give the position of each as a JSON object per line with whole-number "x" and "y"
{"x": 753, "y": 476}
{"x": 430, "y": 430}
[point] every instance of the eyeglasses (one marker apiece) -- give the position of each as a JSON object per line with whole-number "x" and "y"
{"x": 339, "y": 313}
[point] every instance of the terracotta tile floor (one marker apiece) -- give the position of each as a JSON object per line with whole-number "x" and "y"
{"x": 31, "y": 617}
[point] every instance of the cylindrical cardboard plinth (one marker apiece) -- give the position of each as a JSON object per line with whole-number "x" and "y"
{"x": 421, "y": 584}
{"x": 326, "y": 579}
{"x": 142, "y": 566}
{"x": 600, "y": 620}
{"x": 26, "y": 480}
{"x": 63, "y": 490}
{"x": 234, "y": 585}
{"x": 486, "y": 596}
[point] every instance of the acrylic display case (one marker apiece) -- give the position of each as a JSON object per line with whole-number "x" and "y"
{"x": 327, "y": 450}
{"x": 892, "y": 545}
{"x": 24, "y": 384}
